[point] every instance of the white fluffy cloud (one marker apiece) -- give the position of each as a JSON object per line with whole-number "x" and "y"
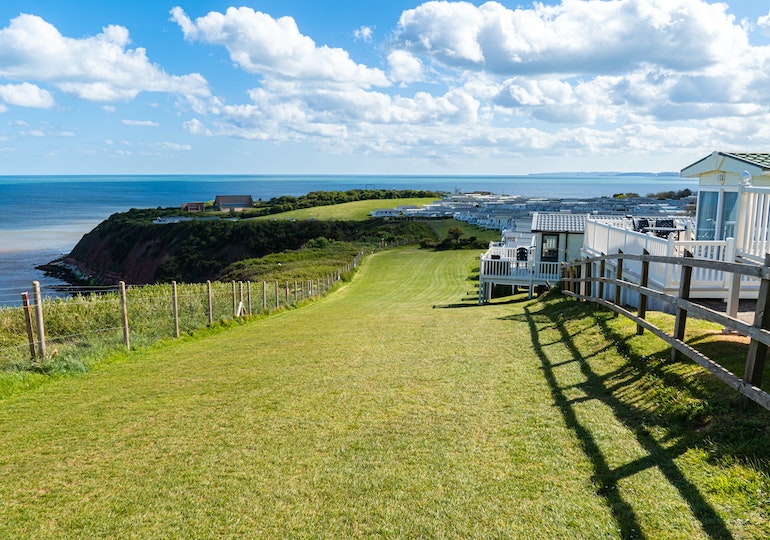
{"x": 365, "y": 33}
{"x": 260, "y": 44}
{"x": 405, "y": 67}
{"x": 574, "y": 37}
{"x": 583, "y": 76}
{"x": 140, "y": 123}
{"x": 764, "y": 23}
{"x": 98, "y": 68}
{"x": 26, "y": 95}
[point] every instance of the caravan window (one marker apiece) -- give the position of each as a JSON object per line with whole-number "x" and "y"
{"x": 550, "y": 251}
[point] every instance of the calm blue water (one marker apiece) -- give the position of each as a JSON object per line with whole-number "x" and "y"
{"x": 42, "y": 217}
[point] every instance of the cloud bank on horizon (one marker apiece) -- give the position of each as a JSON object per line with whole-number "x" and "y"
{"x": 445, "y": 87}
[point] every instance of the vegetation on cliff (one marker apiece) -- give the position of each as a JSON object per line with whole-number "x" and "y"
{"x": 129, "y": 246}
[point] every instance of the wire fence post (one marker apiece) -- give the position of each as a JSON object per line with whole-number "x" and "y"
{"x": 210, "y": 301}
{"x": 248, "y": 296}
{"x": 124, "y": 313}
{"x": 39, "y": 319}
{"x": 264, "y": 296}
{"x": 175, "y": 308}
{"x": 277, "y": 296}
{"x": 28, "y": 323}
{"x": 235, "y": 301}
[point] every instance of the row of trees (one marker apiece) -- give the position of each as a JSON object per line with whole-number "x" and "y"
{"x": 661, "y": 195}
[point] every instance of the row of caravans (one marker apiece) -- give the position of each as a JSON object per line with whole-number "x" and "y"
{"x": 732, "y": 223}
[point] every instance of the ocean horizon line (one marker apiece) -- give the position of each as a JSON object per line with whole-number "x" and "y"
{"x": 555, "y": 174}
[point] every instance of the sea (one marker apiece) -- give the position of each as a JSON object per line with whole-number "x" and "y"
{"x": 43, "y": 217}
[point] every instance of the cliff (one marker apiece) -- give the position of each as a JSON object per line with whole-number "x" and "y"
{"x": 132, "y": 248}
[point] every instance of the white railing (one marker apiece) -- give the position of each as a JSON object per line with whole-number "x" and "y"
{"x": 510, "y": 270}
{"x": 603, "y": 237}
{"x": 753, "y": 226}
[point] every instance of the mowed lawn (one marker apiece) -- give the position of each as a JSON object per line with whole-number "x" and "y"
{"x": 393, "y": 408}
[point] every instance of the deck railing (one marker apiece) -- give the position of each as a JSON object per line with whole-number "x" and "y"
{"x": 603, "y": 237}
{"x": 511, "y": 269}
{"x": 753, "y": 226}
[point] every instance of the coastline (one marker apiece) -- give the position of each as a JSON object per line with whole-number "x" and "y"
{"x": 43, "y": 217}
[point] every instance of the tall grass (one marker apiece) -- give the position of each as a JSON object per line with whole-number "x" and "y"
{"x": 86, "y": 328}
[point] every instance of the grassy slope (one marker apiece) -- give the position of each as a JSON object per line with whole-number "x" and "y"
{"x": 357, "y": 210}
{"x": 395, "y": 407}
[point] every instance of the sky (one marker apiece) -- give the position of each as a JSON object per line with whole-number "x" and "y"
{"x": 386, "y": 87}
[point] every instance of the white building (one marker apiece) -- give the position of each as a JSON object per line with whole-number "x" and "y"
{"x": 732, "y": 224}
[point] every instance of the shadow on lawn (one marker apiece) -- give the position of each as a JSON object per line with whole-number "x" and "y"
{"x": 605, "y": 388}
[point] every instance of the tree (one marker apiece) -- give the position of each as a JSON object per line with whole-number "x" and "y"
{"x": 455, "y": 233}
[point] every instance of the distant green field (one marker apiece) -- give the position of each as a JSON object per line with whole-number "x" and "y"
{"x": 358, "y": 210}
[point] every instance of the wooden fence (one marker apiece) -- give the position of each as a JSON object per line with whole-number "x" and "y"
{"x": 42, "y": 328}
{"x": 587, "y": 280}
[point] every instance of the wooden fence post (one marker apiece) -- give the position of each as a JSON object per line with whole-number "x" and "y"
{"x": 602, "y": 269}
{"x": 643, "y": 297}
{"x": 264, "y": 296}
{"x": 734, "y": 282}
{"x": 248, "y": 296}
{"x": 39, "y": 319}
{"x": 210, "y": 301}
{"x": 28, "y": 322}
{"x": 277, "y": 296}
{"x": 175, "y": 308}
{"x": 681, "y": 313}
{"x": 755, "y": 359}
{"x": 618, "y": 277}
{"x": 124, "y": 312}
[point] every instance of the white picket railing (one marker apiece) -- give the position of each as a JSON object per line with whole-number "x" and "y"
{"x": 606, "y": 238}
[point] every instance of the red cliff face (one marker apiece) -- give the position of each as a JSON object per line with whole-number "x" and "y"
{"x": 95, "y": 257}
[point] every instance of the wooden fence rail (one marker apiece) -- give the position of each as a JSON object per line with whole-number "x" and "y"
{"x": 581, "y": 280}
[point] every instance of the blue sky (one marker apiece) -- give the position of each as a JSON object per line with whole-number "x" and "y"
{"x": 352, "y": 87}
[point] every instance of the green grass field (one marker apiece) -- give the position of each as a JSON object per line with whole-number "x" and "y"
{"x": 395, "y": 407}
{"x": 358, "y": 210}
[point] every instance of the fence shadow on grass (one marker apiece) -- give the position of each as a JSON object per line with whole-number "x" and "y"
{"x": 598, "y": 387}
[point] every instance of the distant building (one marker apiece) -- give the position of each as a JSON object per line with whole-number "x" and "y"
{"x": 193, "y": 207}
{"x": 233, "y": 203}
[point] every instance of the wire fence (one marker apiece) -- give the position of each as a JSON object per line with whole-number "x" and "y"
{"x": 64, "y": 333}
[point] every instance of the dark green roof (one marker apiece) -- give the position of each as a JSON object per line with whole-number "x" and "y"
{"x": 760, "y": 160}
